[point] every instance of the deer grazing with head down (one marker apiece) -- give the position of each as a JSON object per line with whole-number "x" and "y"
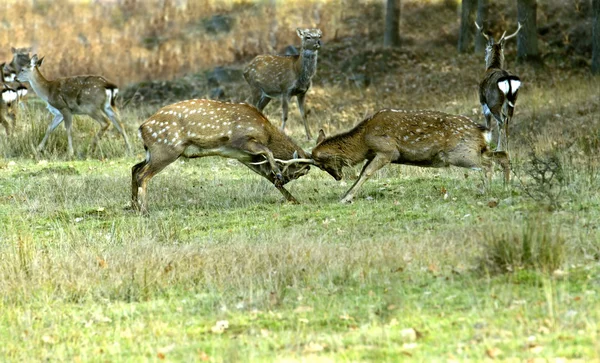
{"x": 420, "y": 138}
{"x": 8, "y": 103}
{"x": 498, "y": 89}
{"x": 198, "y": 128}
{"x": 272, "y": 76}
{"x": 78, "y": 95}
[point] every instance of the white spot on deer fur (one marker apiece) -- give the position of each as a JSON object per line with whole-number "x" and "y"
{"x": 158, "y": 140}
{"x": 165, "y": 141}
{"x": 504, "y": 86}
{"x": 155, "y": 135}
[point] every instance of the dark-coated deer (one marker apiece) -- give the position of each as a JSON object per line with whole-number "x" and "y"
{"x": 8, "y": 106}
{"x": 272, "y": 76}
{"x": 198, "y": 128}
{"x": 21, "y": 58}
{"x": 498, "y": 89}
{"x": 421, "y": 138}
{"x": 78, "y": 95}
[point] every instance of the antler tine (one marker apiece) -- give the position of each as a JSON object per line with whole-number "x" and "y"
{"x": 481, "y": 30}
{"x": 512, "y": 35}
{"x": 295, "y": 161}
{"x": 260, "y": 162}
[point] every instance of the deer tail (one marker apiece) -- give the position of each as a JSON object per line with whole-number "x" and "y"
{"x": 111, "y": 93}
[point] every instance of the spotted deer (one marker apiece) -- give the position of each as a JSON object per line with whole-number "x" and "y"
{"x": 78, "y": 95}
{"x": 8, "y": 103}
{"x": 420, "y": 138}
{"x": 498, "y": 89}
{"x": 272, "y": 76}
{"x": 198, "y": 128}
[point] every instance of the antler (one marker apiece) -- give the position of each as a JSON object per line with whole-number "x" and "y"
{"x": 502, "y": 38}
{"x": 481, "y": 30}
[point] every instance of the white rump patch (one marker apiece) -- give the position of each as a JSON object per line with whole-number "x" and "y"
{"x": 109, "y": 96}
{"x": 487, "y": 135}
{"x": 22, "y": 92}
{"x": 504, "y": 86}
{"x": 9, "y": 96}
{"x": 514, "y": 85}
{"x": 9, "y": 78}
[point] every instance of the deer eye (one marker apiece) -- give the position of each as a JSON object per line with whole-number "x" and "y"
{"x": 308, "y": 37}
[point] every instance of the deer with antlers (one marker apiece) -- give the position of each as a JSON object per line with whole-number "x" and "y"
{"x": 420, "y": 138}
{"x": 272, "y": 76}
{"x": 198, "y": 128}
{"x": 498, "y": 89}
{"x": 78, "y": 95}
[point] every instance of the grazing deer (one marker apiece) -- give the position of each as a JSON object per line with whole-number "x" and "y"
{"x": 420, "y": 138}
{"x": 498, "y": 89}
{"x": 272, "y": 76}
{"x": 198, "y": 128}
{"x": 78, "y": 95}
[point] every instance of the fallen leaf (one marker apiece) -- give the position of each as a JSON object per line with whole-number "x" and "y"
{"x": 493, "y": 352}
{"x": 220, "y": 327}
{"x": 303, "y": 309}
{"x": 313, "y": 347}
{"x": 160, "y": 356}
{"x": 203, "y": 356}
{"x": 409, "y": 334}
{"x": 493, "y": 203}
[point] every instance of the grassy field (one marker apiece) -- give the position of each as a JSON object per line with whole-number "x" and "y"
{"x": 425, "y": 265}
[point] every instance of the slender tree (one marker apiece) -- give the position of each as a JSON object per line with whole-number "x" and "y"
{"x": 467, "y": 28}
{"x": 527, "y": 42}
{"x": 391, "y": 36}
{"x": 482, "y": 20}
{"x": 596, "y": 38}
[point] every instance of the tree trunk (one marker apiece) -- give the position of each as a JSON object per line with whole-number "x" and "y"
{"x": 391, "y": 37}
{"x": 596, "y": 38}
{"x": 467, "y": 25}
{"x": 482, "y": 20}
{"x": 527, "y": 44}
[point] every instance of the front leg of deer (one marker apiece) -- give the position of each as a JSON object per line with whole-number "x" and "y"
{"x": 255, "y": 148}
{"x": 301, "y": 100}
{"x": 379, "y": 161}
{"x": 58, "y": 118}
{"x": 68, "y": 124}
{"x": 285, "y": 100}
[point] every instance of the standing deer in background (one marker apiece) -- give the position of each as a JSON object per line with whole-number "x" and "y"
{"x": 198, "y": 128}
{"x": 272, "y": 76}
{"x": 78, "y": 95}
{"x": 8, "y": 104}
{"x": 420, "y": 138}
{"x": 21, "y": 58}
{"x": 498, "y": 89}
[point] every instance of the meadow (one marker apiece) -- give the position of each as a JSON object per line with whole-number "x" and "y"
{"x": 425, "y": 265}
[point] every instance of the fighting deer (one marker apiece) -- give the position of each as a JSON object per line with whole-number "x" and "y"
{"x": 198, "y": 128}
{"x": 78, "y": 95}
{"x": 272, "y": 76}
{"x": 420, "y": 138}
{"x": 498, "y": 89}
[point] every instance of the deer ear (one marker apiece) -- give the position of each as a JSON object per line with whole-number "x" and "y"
{"x": 13, "y": 50}
{"x": 319, "y": 32}
{"x": 300, "y": 32}
{"x": 321, "y": 136}
{"x": 39, "y": 63}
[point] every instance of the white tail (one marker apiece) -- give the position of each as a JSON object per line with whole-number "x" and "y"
{"x": 272, "y": 76}
{"x": 78, "y": 95}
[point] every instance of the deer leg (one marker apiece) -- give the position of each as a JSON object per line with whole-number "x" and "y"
{"x": 501, "y": 157}
{"x": 284, "y": 109}
{"x": 142, "y": 172}
{"x": 254, "y": 148}
{"x": 68, "y": 117}
{"x": 301, "y": 98}
{"x": 286, "y": 194}
{"x": 5, "y": 124}
{"x": 379, "y": 161}
{"x": 58, "y": 118}
{"x": 116, "y": 121}
{"x": 104, "y": 125}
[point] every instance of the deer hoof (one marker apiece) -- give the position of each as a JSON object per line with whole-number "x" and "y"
{"x": 346, "y": 200}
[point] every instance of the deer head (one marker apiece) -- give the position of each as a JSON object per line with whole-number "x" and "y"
{"x": 494, "y": 51}
{"x": 311, "y": 38}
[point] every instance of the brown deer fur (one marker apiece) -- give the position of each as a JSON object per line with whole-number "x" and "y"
{"x": 421, "y": 138}
{"x": 272, "y": 76}
{"x": 198, "y": 128}
{"x": 78, "y": 95}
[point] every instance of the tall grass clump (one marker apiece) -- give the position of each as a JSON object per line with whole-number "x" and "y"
{"x": 537, "y": 245}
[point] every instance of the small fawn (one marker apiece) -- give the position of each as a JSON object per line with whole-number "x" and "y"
{"x": 198, "y": 128}
{"x": 498, "y": 89}
{"x": 420, "y": 138}
{"x": 78, "y": 95}
{"x": 272, "y": 76}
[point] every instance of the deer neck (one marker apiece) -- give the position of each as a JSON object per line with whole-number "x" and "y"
{"x": 306, "y": 67}
{"x": 40, "y": 84}
{"x": 494, "y": 59}
{"x": 349, "y": 145}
